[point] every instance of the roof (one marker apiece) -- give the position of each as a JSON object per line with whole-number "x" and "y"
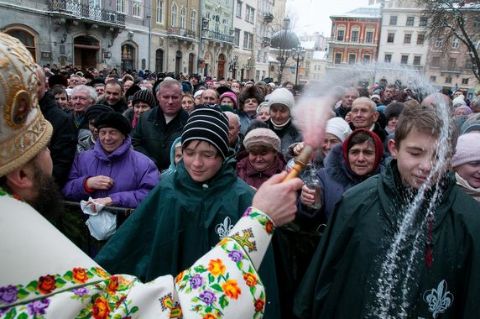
{"x": 372, "y": 11}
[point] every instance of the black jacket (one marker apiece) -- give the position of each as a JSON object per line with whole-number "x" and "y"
{"x": 64, "y": 139}
{"x": 153, "y": 136}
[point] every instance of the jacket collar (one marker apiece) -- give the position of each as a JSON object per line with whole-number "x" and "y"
{"x": 119, "y": 152}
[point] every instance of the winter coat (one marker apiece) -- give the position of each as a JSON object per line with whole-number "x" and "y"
{"x": 252, "y": 177}
{"x": 335, "y": 178}
{"x": 180, "y": 221}
{"x": 120, "y": 107}
{"x": 153, "y": 136}
{"x": 245, "y": 121}
{"x": 133, "y": 173}
{"x": 287, "y": 134}
{"x": 63, "y": 141}
{"x": 172, "y": 168}
{"x": 343, "y": 278}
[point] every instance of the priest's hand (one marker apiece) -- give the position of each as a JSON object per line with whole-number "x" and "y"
{"x": 277, "y": 199}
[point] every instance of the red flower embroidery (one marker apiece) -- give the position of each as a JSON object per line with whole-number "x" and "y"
{"x": 46, "y": 284}
{"x": 250, "y": 279}
{"x": 259, "y": 305}
{"x": 80, "y": 275}
{"x": 101, "y": 308}
{"x": 112, "y": 285}
{"x": 269, "y": 227}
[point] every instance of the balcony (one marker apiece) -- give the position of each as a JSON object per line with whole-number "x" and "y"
{"x": 181, "y": 33}
{"x": 85, "y": 12}
{"x": 218, "y": 36}
{"x": 266, "y": 42}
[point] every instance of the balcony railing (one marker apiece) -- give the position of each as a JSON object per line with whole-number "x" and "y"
{"x": 186, "y": 33}
{"x": 214, "y": 35}
{"x": 84, "y": 11}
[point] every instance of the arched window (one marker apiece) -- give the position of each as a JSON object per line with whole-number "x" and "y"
{"x": 182, "y": 18}
{"x": 193, "y": 21}
{"x": 174, "y": 15}
{"x": 26, "y": 37}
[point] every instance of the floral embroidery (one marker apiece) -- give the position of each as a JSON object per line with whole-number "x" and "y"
{"x": 80, "y": 275}
{"x": 8, "y": 294}
{"x": 250, "y": 279}
{"x": 231, "y": 289}
{"x": 235, "y": 255}
{"x": 46, "y": 284}
{"x": 216, "y": 267}
{"x": 196, "y": 281}
{"x": 38, "y": 307}
{"x": 101, "y": 308}
{"x": 262, "y": 219}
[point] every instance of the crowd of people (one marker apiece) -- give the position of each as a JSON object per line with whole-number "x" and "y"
{"x": 191, "y": 155}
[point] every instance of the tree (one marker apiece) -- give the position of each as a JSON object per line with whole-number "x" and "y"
{"x": 453, "y": 19}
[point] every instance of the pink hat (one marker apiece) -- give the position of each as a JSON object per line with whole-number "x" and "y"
{"x": 232, "y": 96}
{"x": 467, "y": 150}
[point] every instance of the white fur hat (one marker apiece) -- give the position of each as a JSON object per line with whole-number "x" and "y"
{"x": 338, "y": 127}
{"x": 281, "y": 96}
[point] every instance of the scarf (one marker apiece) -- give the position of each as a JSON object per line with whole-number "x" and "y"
{"x": 474, "y": 192}
{"x": 280, "y": 126}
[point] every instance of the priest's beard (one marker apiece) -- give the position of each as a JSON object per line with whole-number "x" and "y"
{"x": 49, "y": 199}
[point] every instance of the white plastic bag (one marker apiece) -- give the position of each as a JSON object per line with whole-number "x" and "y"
{"x": 102, "y": 224}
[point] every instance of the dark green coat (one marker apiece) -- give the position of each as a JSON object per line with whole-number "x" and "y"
{"x": 342, "y": 279}
{"x": 180, "y": 221}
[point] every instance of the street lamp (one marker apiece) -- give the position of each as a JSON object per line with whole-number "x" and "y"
{"x": 284, "y": 41}
{"x": 233, "y": 66}
{"x": 298, "y": 54}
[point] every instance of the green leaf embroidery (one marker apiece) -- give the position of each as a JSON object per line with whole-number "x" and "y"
{"x": 223, "y": 301}
{"x": 60, "y": 282}
{"x": 134, "y": 309}
{"x": 22, "y": 293}
{"x": 210, "y": 278}
{"x": 11, "y": 314}
{"x": 200, "y": 269}
{"x": 216, "y": 287}
{"x": 32, "y": 286}
{"x": 68, "y": 276}
{"x": 23, "y": 315}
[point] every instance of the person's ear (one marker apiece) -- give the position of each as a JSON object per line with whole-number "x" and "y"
{"x": 375, "y": 116}
{"x": 392, "y": 147}
{"x": 21, "y": 178}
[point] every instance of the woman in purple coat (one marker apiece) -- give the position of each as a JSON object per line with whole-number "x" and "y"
{"x": 112, "y": 173}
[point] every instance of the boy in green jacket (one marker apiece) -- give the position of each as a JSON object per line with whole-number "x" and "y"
{"x": 402, "y": 244}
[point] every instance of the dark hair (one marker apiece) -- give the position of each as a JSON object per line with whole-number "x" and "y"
{"x": 187, "y": 143}
{"x": 114, "y": 82}
{"x": 59, "y": 89}
{"x": 360, "y": 138}
{"x": 393, "y": 109}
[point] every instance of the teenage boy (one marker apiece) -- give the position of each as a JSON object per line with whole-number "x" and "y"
{"x": 356, "y": 271}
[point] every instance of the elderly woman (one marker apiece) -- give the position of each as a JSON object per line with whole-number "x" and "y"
{"x": 249, "y": 99}
{"x": 112, "y": 173}
{"x": 262, "y": 159}
{"x": 466, "y": 163}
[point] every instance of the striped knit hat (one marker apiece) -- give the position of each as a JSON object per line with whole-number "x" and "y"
{"x": 210, "y": 125}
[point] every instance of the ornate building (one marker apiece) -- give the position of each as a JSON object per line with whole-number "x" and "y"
{"x": 242, "y": 61}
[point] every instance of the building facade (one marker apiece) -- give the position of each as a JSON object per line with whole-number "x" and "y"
{"x": 242, "y": 61}
{"x": 264, "y": 30}
{"x": 216, "y": 42}
{"x": 354, "y": 37}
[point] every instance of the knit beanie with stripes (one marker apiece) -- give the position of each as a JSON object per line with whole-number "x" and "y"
{"x": 210, "y": 125}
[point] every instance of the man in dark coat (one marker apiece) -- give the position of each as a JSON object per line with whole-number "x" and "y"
{"x": 364, "y": 115}
{"x": 113, "y": 96}
{"x": 402, "y": 244}
{"x": 64, "y": 137}
{"x": 347, "y": 99}
{"x": 158, "y": 128}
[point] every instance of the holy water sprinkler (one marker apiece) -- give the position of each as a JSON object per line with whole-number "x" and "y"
{"x": 310, "y": 117}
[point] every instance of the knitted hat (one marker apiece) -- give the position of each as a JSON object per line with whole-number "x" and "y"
{"x": 467, "y": 150}
{"x": 95, "y": 110}
{"x": 132, "y": 90}
{"x": 232, "y": 96}
{"x": 463, "y": 109}
{"x": 262, "y": 136}
{"x": 145, "y": 96}
{"x": 210, "y": 125}
{"x": 24, "y": 132}
{"x": 281, "y": 96}
{"x": 113, "y": 120}
{"x": 338, "y": 127}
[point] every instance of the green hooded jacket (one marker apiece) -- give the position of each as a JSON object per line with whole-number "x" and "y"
{"x": 344, "y": 276}
{"x": 180, "y": 221}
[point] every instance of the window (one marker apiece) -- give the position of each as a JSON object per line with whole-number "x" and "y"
{"x": 420, "y": 38}
{"x": 404, "y": 59}
{"x": 388, "y": 57}
{"x": 249, "y": 14}
{"x": 369, "y": 37}
{"x": 352, "y": 58}
{"x": 423, "y": 21}
{"x": 236, "y": 38}
{"x": 193, "y": 21}
{"x": 239, "y": 9}
{"x": 417, "y": 60}
{"x": 338, "y": 58}
{"x": 465, "y": 81}
{"x": 136, "y": 8}
{"x": 448, "y": 79}
{"x": 366, "y": 58}
{"x": 439, "y": 42}
{"x": 247, "y": 40}
{"x": 433, "y": 78}
{"x": 452, "y": 63}
{"x": 455, "y": 43}
{"x": 407, "y": 39}
{"x": 174, "y": 15}
{"x": 340, "y": 35}
{"x": 436, "y": 61}
{"x": 121, "y": 6}
{"x": 354, "y": 37}
{"x": 159, "y": 11}
{"x": 391, "y": 37}
{"x": 26, "y": 37}
{"x": 410, "y": 21}
{"x": 182, "y": 18}
{"x": 393, "y": 20}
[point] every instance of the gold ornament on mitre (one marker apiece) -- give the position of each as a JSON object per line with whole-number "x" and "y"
{"x": 24, "y": 132}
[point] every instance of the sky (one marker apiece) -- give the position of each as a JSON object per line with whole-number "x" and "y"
{"x": 313, "y": 15}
